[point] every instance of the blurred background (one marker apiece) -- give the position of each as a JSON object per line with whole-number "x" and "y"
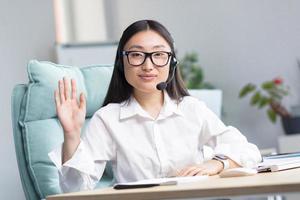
{"x": 236, "y": 41}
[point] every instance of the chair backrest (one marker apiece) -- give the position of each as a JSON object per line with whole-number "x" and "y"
{"x": 212, "y": 98}
{"x": 17, "y": 96}
{"x": 36, "y": 128}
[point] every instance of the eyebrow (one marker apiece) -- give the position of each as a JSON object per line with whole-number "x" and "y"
{"x": 140, "y": 47}
{"x": 136, "y": 47}
{"x": 159, "y": 46}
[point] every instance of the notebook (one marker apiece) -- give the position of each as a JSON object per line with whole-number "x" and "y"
{"x": 279, "y": 162}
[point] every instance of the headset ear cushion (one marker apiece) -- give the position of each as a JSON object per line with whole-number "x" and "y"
{"x": 173, "y": 61}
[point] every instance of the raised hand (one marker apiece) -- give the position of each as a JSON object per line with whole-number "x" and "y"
{"x": 71, "y": 113}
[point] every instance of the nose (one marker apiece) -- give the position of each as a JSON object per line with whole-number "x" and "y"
{"x": 147, "y": 65}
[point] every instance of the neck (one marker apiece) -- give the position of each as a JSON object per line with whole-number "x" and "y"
{"x": 151, "y": 102}
{"x": 149, "y": 99}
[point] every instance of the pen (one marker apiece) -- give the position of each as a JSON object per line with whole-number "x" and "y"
{"x": 119, "y": 186}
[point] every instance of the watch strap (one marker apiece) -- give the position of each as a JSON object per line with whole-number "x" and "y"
{"x": 223, "y": 159}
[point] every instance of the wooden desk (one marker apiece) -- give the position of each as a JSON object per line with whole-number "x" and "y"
{"x": 263, "y": 183}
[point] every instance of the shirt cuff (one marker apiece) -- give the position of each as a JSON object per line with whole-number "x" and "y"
{"x": 81, "y": 160}
{"x": 246, "y": 155}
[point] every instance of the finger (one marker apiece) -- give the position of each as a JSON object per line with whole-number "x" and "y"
{"x": 202, "y": 173}
{"x": 183, "y": 171}
{"x": 82, "y": 102}
{"x": 66, "y": 85}
{"x": 57, "y": 100}
{"x": 180, "y": 172}
{"x": 73, "y": 84}
{"x": 187, "y": 171}
{"x": 193, "y": 171}
{"x": 196, "y": 171}
{"x": 61, "y": 91}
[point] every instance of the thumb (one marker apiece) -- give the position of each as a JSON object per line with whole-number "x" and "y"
{"x": 82, "y": 101}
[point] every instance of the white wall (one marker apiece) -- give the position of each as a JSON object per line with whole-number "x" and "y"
{"x": 27, "y": 32}
{"x": 237, "y": 41}
{"x": 80, "y": 21}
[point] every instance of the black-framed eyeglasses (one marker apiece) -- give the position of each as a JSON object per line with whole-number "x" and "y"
{"x": 137, "y": 58}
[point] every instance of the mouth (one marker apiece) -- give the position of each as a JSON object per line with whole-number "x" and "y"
{"x": 147, "y": 77}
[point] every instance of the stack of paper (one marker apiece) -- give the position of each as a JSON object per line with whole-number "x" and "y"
{"x": 279, "y": 162}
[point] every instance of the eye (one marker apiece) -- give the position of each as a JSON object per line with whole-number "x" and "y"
{"x": 136, "y": 54}
{"x": 160, "y": 54}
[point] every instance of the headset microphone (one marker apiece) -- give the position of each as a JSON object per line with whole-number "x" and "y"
{"x": 163, "y": 85}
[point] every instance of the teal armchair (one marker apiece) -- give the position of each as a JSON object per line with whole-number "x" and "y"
{"x": 36, "y": 128}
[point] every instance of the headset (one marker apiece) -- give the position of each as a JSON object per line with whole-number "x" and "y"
{"x": 174, "y": 62}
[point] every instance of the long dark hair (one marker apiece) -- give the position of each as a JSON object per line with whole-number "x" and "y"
{"x": 119, "y": 89}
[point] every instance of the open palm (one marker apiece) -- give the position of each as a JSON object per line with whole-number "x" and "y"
{"x": 71, "y": 113}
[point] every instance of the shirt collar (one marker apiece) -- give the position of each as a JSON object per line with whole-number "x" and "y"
{"x": 131, "y": 108}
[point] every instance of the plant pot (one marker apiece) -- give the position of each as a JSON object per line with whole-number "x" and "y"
{"x": 291, "y": 125}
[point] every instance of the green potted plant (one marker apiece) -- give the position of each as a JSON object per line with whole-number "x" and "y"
{"x": 270, "y": 94}
{"x": 192, "y": 73}
{"x": 193, "y": 76}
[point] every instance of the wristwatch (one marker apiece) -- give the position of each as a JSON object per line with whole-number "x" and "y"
{"x": 223, "y": 159}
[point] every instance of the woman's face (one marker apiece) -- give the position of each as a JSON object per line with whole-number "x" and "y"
{"x": 145, "y": 77}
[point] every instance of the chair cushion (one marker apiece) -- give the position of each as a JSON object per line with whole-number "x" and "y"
{"x": 40, "y": 128}
{"x": 44, "y": 76}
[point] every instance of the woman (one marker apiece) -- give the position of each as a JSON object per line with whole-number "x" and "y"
{"x": 149, "y": 126}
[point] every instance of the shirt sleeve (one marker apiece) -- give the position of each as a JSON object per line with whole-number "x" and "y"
{"x": 85, "y": 168}
{"x": 226, "y": 140}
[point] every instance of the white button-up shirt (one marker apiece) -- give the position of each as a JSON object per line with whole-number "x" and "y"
{"x": 141, "y": 147}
